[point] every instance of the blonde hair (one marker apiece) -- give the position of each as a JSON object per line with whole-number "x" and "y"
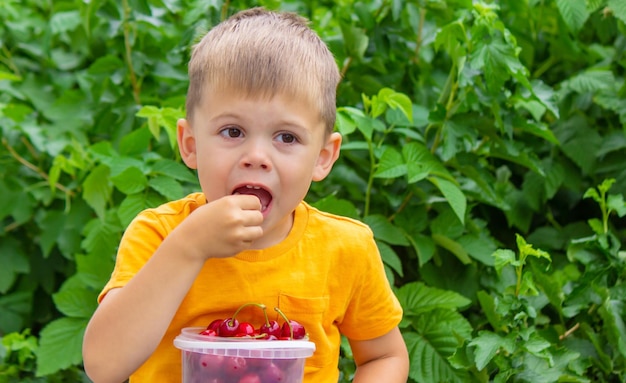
{"x": 263, "y": 53}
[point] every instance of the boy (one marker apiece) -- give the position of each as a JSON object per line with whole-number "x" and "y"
{"x": 259, "y": 130}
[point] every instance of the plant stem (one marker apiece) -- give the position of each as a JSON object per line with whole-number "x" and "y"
{"x": 370, "y": 179}
{"x": 33, "y": 167}
{"x": 128, "y": 56}
{"x": 569, "y": 332}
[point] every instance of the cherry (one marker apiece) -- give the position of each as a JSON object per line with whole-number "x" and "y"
{"x": 212, "y": 362}
{"x": 228, "y": 327}
{"x": 250, "y": 378}
{"x": 291, "y": 329}
{"x": 272, "y": 374}
{"x": 214, "y": 325}
{"x": 235, "y": 366}
{"x": 208, "y": 332}
{"x": 245, "y": 329}
{"x": 270, "y": 327}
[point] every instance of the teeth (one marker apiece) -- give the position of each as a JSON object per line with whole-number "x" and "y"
{"x": 253, "y": 187}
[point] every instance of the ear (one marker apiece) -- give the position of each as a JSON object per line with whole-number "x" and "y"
{"x": 186, "y": 143}
{"x": 327, "y": 157}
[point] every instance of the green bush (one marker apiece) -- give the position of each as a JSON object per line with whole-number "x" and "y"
{"x": 484, "y": 143}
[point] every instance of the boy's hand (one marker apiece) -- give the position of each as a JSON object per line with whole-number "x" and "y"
{"x": 224, "y": 227}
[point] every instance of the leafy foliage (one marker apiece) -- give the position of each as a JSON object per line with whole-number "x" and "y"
{"x": 484, "y": 143}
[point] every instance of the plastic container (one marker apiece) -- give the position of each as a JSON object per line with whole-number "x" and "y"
{"x": 210, "y": 359}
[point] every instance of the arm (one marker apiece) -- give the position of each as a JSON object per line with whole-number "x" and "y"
{"x": 130, "y": 321}
{"x": 382, "y": 359}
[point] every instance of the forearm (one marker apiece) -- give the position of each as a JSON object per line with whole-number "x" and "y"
{"x": 389, "y": 370}
{"x": 130, "y": 322}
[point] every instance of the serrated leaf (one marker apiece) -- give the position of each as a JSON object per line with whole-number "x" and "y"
{"x": 453, "y": 195}
{"x": 390, "y": 165}
{"x": 60, "y": 345}
{"x": 135, "y": 203}
{"x": 74, "y": 299}
{"x": 130, "y": 181}
{"x": 438, "y": 334}
{"x": 614, "y": 326}
{"x": 574, "y": 13}
{"x": 385, "y": 230}
{"x": 97, "y": 190}
{"x": 487, "y": 345}
{"x": 504, "y": 257}
{"x": 390, "y": 258}
{"x": 593, "y": 80}
{"x": 334, "y": 205}
{"x": 167, "y": 187}
{"x": 416, "y": 299}
{"x": 452, "y": 246}
{"x": 173, "y": 169}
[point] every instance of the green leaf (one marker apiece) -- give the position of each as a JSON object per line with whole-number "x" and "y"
{"x": 390, "y": 165}
{"x": 334, "y": 205}
{"x": 619, "y": 9}
{"x": 133, "y": 204}
{"x": 14, "y": 262}
{"x": 356, "y": 40}
{"x": 487, "y": 345}
{"x": 421, "y": 163}
{"x": 503, "y": 258}
{"x": 416, "y": 299}
{"x": 74, "y": 299}
{"x": 60, "y": 345}
{"x": 574, "y": 13}
{"x": 97, "y": 189}
{"x": 612, "y": 313}
{"x": 385, "y": 230}
{"x": 130, "y": 181}
{"x": 173, "y": 169}
{"x": 438, "y": 334}
{"x": 390, "y": 258}
{"x": 593, "y": 80}
{"x": 488, "y": 305}
{"x": 167, "y": 187}
{"x": 452, "y": 246}
{"x": 453, "y": 195}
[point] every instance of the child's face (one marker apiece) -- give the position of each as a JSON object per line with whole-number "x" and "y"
{"x": 271, "y": 148}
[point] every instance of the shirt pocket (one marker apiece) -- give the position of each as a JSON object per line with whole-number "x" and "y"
{"x": 310, "y": 312}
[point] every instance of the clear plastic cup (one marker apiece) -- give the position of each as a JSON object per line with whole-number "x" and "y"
{"x": 210, "y": 359}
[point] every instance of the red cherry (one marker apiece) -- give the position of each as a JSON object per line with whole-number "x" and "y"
{"x": 272, "y": 374}
{"x": 298, "y": 330}
{"x": 245, "y": 329}
{"x": 228, "y": 327}
{"x": 250, "y": 378}
{"x": 235, "y": 366}
{"x": 214, "y": 325}
{"x": 208, "y": 332}
{"x": 270, "y": 328}
{"x": 211, "y": 362}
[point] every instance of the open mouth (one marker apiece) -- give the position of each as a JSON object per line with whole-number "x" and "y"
{"x": 263, "y": 195}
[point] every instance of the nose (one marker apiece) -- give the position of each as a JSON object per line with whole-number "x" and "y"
{"x": 256, "y": 156}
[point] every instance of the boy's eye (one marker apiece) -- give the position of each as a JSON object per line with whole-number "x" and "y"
{"x": 287, "y": 138}
{"x": 231, "y": 132}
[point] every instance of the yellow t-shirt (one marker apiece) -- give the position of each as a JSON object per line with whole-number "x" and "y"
{"x": 327, "y": 274}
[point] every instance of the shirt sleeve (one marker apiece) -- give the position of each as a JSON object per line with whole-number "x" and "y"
{"x": 373, "y": 309}
{"x": 140, "y": 240}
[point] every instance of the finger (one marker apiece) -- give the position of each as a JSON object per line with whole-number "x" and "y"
{"x": 248, "y": 202}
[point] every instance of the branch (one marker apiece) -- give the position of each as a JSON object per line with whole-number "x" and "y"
{"x": 33, "y": 167}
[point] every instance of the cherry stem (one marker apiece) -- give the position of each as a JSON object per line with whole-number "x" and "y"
{"x": 286, "y": 321}
{"x": 231, "y": 322}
